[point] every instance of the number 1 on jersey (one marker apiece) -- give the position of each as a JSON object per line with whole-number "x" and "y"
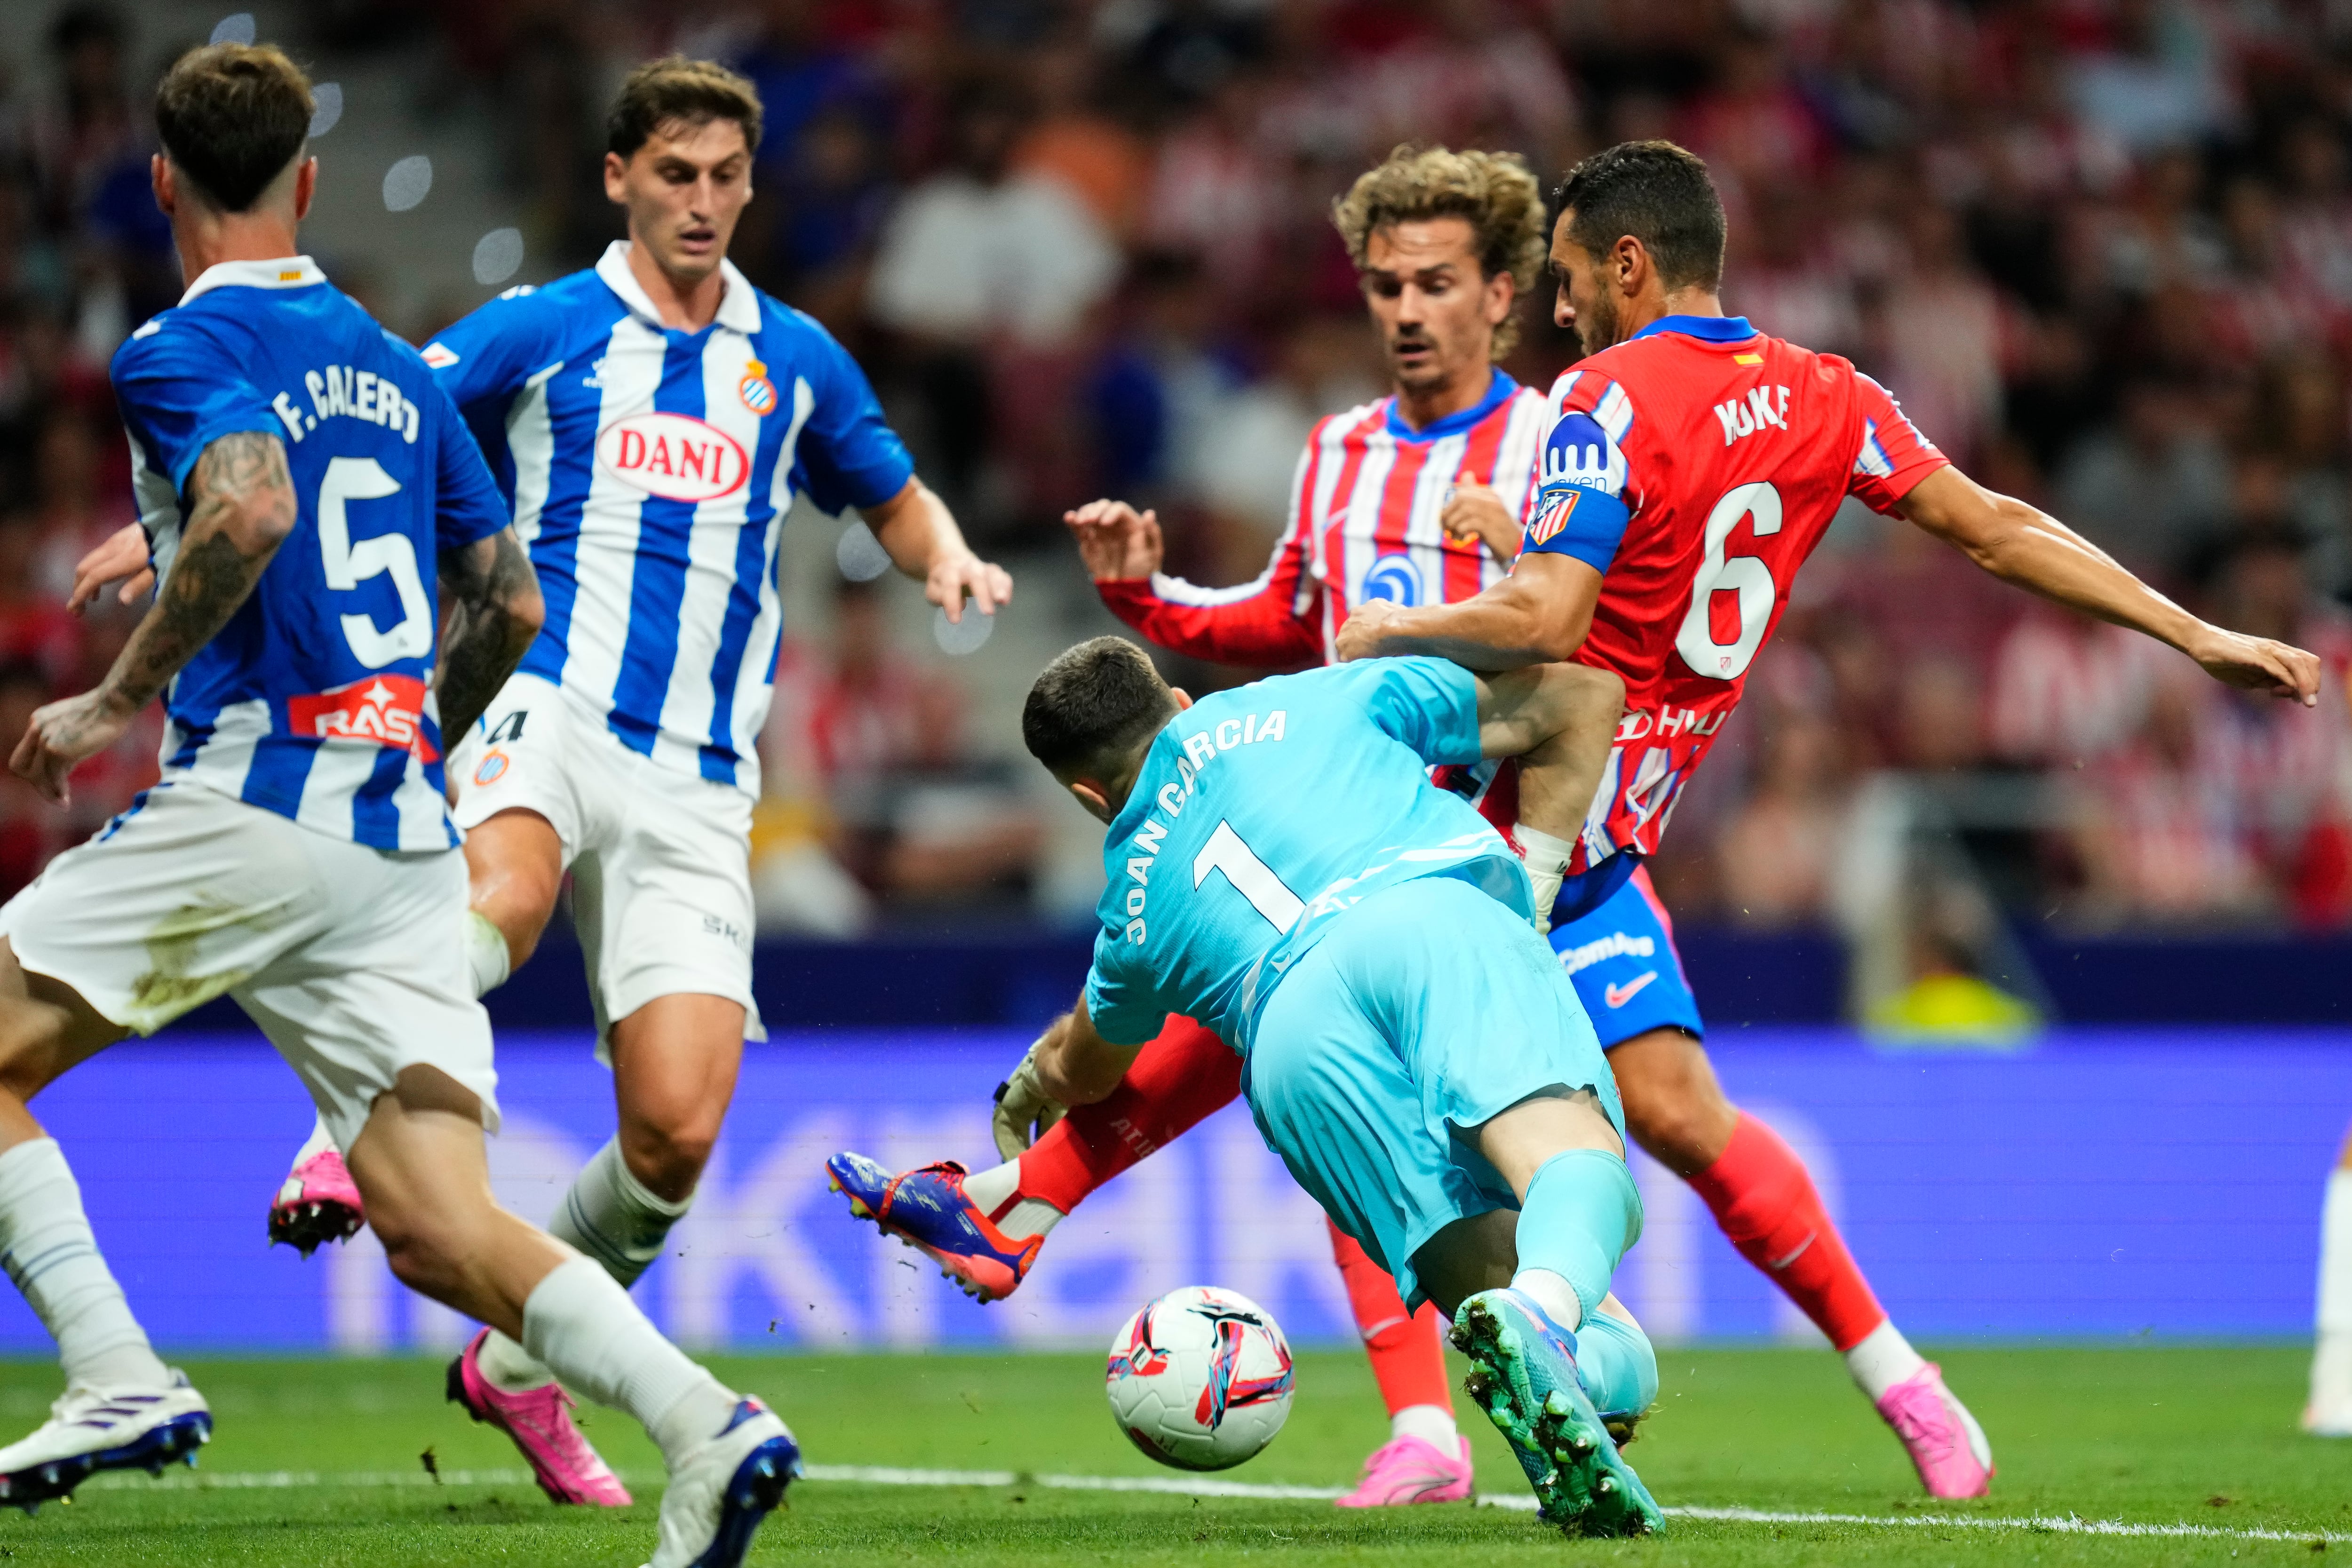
{"x": 1251, "y": 877}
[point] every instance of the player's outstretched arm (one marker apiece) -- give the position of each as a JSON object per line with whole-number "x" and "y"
{"x": 1537, "y": 615}
{"x": 2021, "y": 545}
{"x": 920, "y": 536}
{"x": 1076, "y": 1065}
{"x": 241, "y": 508}
{"x": 495, "y": 611}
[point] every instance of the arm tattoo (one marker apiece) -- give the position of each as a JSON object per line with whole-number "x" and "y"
{"x": 494, "y": 612}
{"x": 242, "y": 506}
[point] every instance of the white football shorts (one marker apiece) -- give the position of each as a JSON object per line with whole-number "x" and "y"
{"x": 344, "y": 955}
{"x": 660, "y": 861}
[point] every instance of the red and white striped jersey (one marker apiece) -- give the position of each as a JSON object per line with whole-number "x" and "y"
{"x": 1364, "y": 509}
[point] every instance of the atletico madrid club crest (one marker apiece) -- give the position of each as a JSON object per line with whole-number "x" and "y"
{"x": 758, "y": 394}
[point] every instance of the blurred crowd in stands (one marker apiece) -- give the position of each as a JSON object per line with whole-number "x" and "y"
{"x": 2102, "y": 250}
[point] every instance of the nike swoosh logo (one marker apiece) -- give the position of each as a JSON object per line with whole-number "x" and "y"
{"x": 1618, "y": 996}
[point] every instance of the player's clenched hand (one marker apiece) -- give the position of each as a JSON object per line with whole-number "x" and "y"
{"x": 1025, "y": 1112}
{"x": 1367, "y": 625}
{"x": 958, "y": 573}
{"x": 123, "y": 554}
{"x": 2258, "y": 664}
{"x": 64, "y": 733}
{"x": 1479, "y": 512}
{"x": 1118, "y": 544}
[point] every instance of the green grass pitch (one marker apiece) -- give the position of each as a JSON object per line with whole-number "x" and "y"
{"x": 317, "y": 1464}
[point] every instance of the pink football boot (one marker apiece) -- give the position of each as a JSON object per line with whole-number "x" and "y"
{"x": 1942, "y": 1438}
{"x": 317, "y": 1205}
{"x": 540, "y": 1422}
{"x": 1406, "y": 1470}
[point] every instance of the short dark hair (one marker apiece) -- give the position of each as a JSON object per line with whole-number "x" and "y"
{"x": 232, "y": 116}
{"x": 1093, "y": 705}
{"x": 677, "y": 90}
{"x": 1658, "y": 193}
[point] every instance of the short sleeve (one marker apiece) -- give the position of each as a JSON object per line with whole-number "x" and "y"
{"x": 1429, "y": 705}
{"x": 1121, "y": 998}
{"x": 483, "y": 359}
{"x": 176, "y": 401}
{"x": 1580, "y": 501}
{"x": 467, "y": 507}
{"x": 1892, "y": 455}
{"x": 847, "y": 451}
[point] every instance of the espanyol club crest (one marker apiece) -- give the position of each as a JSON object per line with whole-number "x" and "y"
{"x": 1395, "y": 578}
{"x": 758, "y": 394}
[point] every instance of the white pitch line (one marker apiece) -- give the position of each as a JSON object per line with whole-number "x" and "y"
{"x": 1177, "y": 1486}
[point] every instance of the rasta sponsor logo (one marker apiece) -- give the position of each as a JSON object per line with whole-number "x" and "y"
{"x": 383, "y": 709}
{"x": 673, "y": 456}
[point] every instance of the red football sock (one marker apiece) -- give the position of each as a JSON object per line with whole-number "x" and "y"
{"x": 1769, "y": 1208}
{"x": 1407, "y": 1349}
{"x": 1182, "y": 1076}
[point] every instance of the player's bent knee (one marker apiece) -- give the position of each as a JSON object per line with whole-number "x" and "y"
{"x": 1675, "y": 1109}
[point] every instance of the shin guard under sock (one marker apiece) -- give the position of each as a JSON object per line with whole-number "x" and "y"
{"x": 1406, "y": 1349}
{"x": 1760, "y": 1194}
{"x": 1180, "y": 1078}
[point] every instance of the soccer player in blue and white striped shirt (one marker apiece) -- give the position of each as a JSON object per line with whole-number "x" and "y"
{"x": 650, "y": 422}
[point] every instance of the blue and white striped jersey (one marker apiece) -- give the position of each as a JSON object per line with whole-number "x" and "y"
{"x": 315, "y": 701}
{"x": 649, "y": 471}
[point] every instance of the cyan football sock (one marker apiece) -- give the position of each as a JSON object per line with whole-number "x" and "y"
{"x": 1617, "y": 1363}
{"x": 996, "y": 1193}
{"x": 318, "y": 1144}
{"x": 51, "y": 1257}
{"x": 1881, "y": 1359}
{"x": 487, "y": 957}
{"x": 1581, "y": 1213}
{"x": 612, "y": 1217}
{"x": 580, "y": 1322}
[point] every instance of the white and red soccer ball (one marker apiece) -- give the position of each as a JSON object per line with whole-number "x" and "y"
{"x": 1200, "y": 1379}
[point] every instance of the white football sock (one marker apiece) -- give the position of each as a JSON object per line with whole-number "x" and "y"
{"x": 1553, "y": 1293}
{"x": 2331, "y": 1365}
{"x": 989, "y": 1191}
{"x": 487, "y": 957}
{"x": 614, "y": 1218}
{"x": 1432, "y": 1423}
{"x": 318, "y": 1144}
{"x": 581, "y": 1322}
{"x": 1547, "y": 860}
{"x": 51, "y": 1257}
{"x": 1883, "y": 1359}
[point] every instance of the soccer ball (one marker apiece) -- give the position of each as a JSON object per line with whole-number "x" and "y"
{"x": 1200, "y": 1379}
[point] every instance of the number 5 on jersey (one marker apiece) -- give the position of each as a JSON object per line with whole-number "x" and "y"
{"x": 347, "y": 565}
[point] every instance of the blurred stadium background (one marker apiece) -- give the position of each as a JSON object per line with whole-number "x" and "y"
{"x": 2033, "y": 940}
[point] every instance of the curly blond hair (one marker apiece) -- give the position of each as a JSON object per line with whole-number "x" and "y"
{"x": 1495, "y": 191}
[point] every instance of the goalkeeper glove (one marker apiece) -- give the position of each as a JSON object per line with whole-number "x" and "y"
{"x": 1024, "y": 1111}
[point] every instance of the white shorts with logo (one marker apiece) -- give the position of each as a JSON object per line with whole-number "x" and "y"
{"x": 345, "y": 956}
{"x": 660, "y": 861}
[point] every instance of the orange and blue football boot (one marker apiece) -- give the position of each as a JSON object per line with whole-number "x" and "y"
{"x": 927, "y": 1209}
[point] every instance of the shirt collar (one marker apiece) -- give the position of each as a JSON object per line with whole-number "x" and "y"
{"x": 1707, "y": 329}
{"x": 738, "y": 304}
{"x": 285, "y": 272}
{"x": 1499, "y": 387}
